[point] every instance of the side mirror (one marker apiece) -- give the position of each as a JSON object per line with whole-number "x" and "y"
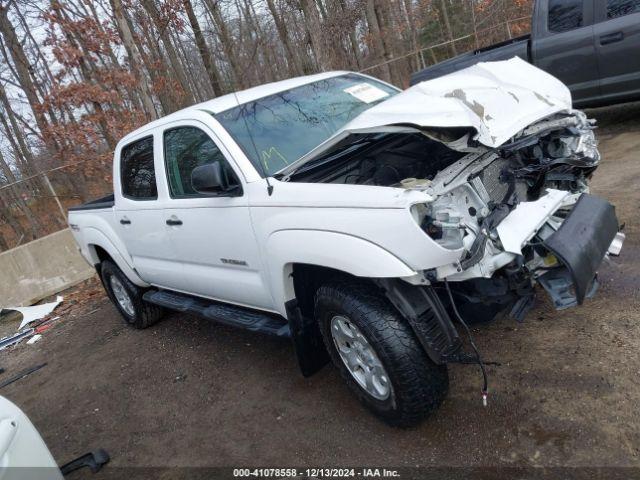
{"x": 209, "y": 179}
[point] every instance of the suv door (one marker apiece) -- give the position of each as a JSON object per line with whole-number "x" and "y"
{"x": 139, "y": 215}
{"x": 617, "y": 37}
{"x": 212, "y": 236}
{"x": 563, "y": 45}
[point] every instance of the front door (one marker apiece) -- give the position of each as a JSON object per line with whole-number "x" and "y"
{"x": 139, "y": 217}
{"x": 564, "y": 46}
{"x": 617, "y": 37}
{"x": 212, "y": 236}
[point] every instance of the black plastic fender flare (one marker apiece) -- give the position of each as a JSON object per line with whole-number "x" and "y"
{"x": 422, "y": 308}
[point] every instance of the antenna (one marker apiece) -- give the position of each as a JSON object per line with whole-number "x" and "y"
{"x": 262, "y": 167}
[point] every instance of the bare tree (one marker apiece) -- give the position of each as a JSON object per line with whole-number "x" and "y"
{"x": 23, "y": 68}
{"x": 163, "y": 31}
{"x": 227, "y": 41}
{"x": 203, "y": 49}
{"x": 135, "y": 59}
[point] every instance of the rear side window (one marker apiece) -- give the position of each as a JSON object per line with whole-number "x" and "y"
{"x": 565, "y": 15}
{"x": 186, "y": 148}
{"x": 620, "y": 8}
{"x": 137, "y": 172}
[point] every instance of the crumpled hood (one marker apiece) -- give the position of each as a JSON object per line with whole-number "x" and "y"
{"x": 497, "y": 99}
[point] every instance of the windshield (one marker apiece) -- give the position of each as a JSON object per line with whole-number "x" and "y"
{"x": 277, "y": 130}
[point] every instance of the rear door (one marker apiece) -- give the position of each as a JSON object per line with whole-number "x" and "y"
{"x": 563, "y": 45}
{"x": 139, "y": 215}
{"x": 212, "y": 236}
{"x": 617, "y": 34}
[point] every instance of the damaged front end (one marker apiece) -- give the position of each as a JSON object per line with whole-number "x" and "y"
{"x": 504, "y": 163}
{"x": 493, "y": 165}
{"x": 522, "y": 214}
{"x": 516, "y": 214}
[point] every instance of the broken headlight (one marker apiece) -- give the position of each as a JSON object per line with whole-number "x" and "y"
{"x": 583, "y": 145}
{"x": 444, "y": 220}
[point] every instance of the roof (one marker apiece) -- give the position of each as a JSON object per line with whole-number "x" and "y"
{"x": 230, "y": 100}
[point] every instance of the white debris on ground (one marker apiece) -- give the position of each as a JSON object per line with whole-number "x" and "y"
{"x": 29, "y": 315}
{"x": 35, "y": 312}
{"x": 34, "y": 339}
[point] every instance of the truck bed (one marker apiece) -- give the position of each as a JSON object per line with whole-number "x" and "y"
{"x": 104, "y": 202}
{"x": 515, "y": 47}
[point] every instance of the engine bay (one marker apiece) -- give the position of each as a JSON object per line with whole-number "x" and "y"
{"x": 559, "y": 152}
{"x": 383, "y": 159}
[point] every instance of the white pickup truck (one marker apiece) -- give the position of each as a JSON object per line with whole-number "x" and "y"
{"x": 362, "y": 222}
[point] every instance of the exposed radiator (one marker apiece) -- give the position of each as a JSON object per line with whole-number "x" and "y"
{"x": 492, "y": 186}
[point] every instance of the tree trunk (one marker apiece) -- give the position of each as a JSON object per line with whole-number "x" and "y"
{"x": 258, "y": 38}
{"x": 203, "y": 50}
{"x": 227, "y": 43}
{"x": 196, "y": 73}
{"x": 314, "y": 28}
{"x": 388, "y": 38}
{"x": 376, "y": 37}
{"x": 87, "y": 74}
{"x": 7, "y": 216}
{"x": 21, "y": 162}
{"x": 43, "y": 60}
{"x": 413, "y": 33}
{"x": 24, "y": 76}
{"x": 163, "y": 31}
{"x": 21, "y": 204}
{"x": 17, "y": 132}
{"x": 353, "y": 41}
{"x": 281, "y": 27}
{"x": 151, "y": 59}
{"x": 96, "y": 18}
{"x": 3, "y": 243}
{"x": 447, "y": 26}
{"x": 134, "y": 60}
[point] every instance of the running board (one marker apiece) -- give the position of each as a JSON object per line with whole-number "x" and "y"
{"x": 253, "y": 320}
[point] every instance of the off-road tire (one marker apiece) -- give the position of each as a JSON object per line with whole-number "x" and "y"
{"x": 418, "y": 385}
{"x": 145, "y": 314}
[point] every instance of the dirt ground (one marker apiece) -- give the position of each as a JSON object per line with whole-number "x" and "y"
{"x": 189, "y": 392}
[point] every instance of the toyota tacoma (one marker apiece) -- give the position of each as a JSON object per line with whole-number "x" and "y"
{"x": 365, "y": 223}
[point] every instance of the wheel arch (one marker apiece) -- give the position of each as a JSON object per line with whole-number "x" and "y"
{"x": 100, "y": 248}
{"x": 326, "y": 251}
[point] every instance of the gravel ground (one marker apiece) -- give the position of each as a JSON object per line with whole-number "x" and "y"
{"x": 189, "y": 392}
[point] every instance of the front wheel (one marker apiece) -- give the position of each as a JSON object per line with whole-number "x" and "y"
{"x": 378, "y": 353}
{"x": 127, "y": 297}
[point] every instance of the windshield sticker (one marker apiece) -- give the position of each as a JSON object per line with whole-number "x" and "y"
{"x": 367, "y": 93}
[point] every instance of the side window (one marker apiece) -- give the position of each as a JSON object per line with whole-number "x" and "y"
{"x": 565, "y": 15}
{"x": 137, "y": 173}
{"x": 620, "y": 8}
{"x": 186, "y": 148}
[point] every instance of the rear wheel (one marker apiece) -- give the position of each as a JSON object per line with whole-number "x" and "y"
{"x": 127, "y": 297}
{"x": 378, "y": 353}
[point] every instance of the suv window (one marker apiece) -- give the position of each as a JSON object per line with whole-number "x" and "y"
{"x": 620, "y": 8}
{"x": 137, "y": 173}
{"x": 565, "y": 15}
{"x": 186, "y": 148}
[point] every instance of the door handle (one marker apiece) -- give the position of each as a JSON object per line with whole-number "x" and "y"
{"x": 174, "y": 222}
{"x": 125, "y": 221}
{"x": 611, "y": 38}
